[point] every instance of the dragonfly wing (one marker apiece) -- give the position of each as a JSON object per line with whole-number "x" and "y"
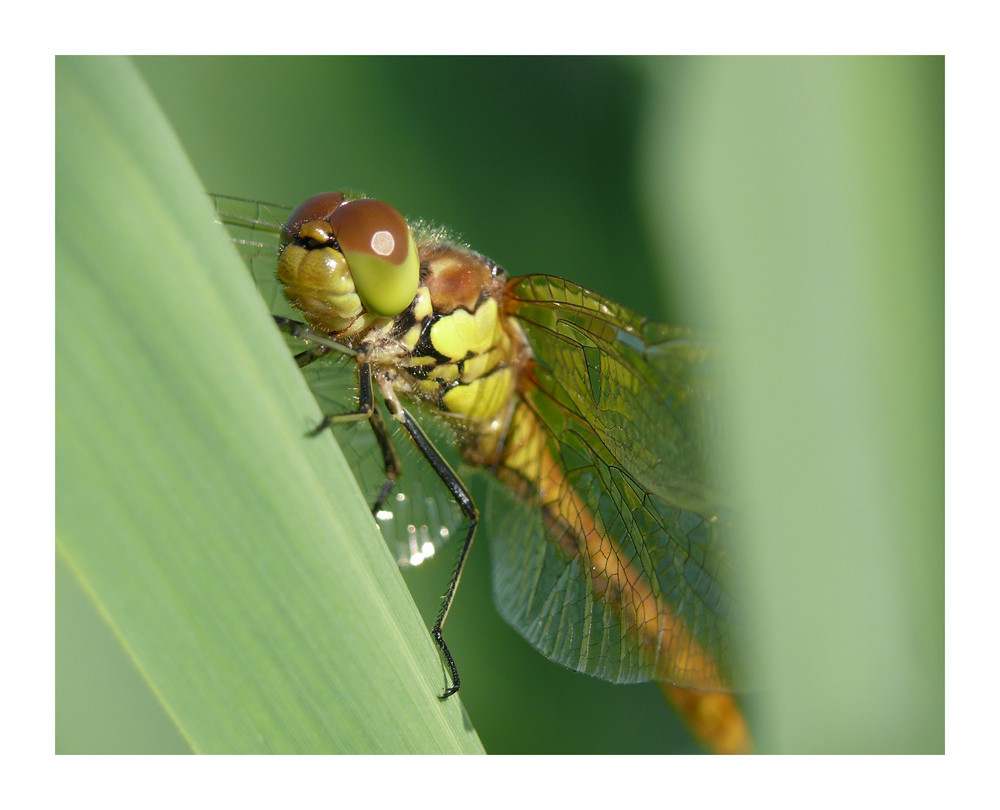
{"x": 255, "y": 229}
{"x": 623, "y": 572}
{"x": 644, "y": 388}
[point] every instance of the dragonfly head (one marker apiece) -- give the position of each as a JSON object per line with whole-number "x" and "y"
{"x": 340, "y": 258}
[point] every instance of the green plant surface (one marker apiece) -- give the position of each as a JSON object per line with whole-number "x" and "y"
{"x": 235, "y": 561}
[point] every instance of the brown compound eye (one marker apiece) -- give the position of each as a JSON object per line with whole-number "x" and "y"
{"x": 318, "y": 208}
{"x": 371, "y": 227}
{"x": 379, "y": 248}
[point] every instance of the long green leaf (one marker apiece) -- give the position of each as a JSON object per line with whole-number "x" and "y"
{"x": 234, "y": 558}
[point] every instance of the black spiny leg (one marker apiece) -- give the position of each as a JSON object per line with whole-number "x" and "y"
{"x": 366, "y": 403}
{"x": 322, "y": 345}
{"x": 464, "y": 500}
{"x": 389, "y": 459}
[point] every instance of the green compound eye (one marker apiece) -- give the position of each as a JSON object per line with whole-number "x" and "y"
{"x": 379, "y": 248}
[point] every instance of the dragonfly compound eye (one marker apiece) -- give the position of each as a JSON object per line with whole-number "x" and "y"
{"x": 318, "y": 208}
{"x": 379, "y": 248}
{"x": 315, "y": 275}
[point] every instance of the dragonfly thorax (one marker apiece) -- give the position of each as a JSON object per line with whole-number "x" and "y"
{"x": 465, "y": 355}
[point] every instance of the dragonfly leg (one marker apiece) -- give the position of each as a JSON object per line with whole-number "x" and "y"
{"x": 320, "y": 344}
{"x": 304, "y": 358}
{"x": 296, "y": 329}
{"x": 366, "y": 410}
{"x": 389, "y": 458}
{"x": 465, "y": 502}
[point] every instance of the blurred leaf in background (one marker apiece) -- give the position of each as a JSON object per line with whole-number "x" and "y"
{"x": 809, "y": 195}
{"x": 792, "y": 206}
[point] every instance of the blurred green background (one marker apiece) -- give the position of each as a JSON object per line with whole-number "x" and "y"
{"x": 792, "y": 206}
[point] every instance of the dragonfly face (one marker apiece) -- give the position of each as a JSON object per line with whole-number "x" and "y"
{"x": 609, "y": 534}
{"x": 341, "y": 259}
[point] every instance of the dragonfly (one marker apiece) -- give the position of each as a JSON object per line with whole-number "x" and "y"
{"x": 610, "y": 538}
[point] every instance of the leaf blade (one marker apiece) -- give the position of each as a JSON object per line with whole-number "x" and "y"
{"x": 264, "y": 614}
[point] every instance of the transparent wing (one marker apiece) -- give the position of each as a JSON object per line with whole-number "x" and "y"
{"x": 623, "y": 571}
{"x": 419, "y": 515}
{"x": 255, "y": 228}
